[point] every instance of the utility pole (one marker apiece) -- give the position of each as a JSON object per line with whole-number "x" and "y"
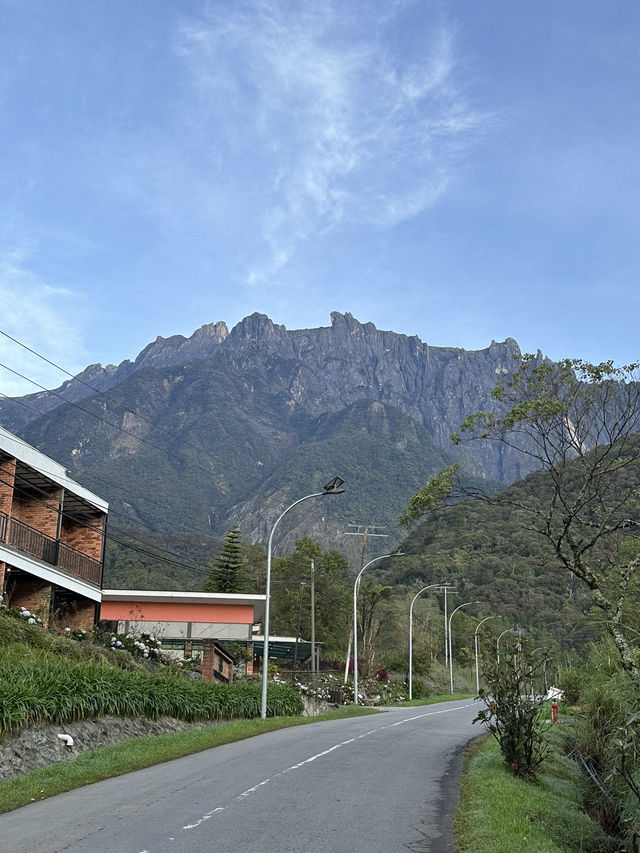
{"x": 364, "y": 548}
{"x": 313, "y": 617}
{"x": 446, "y": 632}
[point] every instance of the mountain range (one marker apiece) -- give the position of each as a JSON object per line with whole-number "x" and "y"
{"x": 227, "y": 428}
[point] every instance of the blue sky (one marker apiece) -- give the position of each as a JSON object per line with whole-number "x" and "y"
{"x": 460, "y": 171}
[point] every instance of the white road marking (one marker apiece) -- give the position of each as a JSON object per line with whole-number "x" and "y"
{"x": 203, "y": 818}
{"x": 324, "y": 752}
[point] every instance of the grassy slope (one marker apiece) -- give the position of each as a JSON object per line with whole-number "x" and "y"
{"x": 500, "y": 813}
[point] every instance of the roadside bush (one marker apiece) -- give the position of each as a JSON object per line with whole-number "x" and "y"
{"x": 570, "y": 681}
{"x": 511, "y": 715}
{"x": 60, "y": 680}
{"x": 607, "y": 742}
{"x": 418, "y": 689}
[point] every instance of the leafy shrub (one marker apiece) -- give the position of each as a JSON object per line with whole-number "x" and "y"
{"x": 512, "y": 717}
{"x": 418, "y": 689}
{"x": 607, "y": 741}
{"x": 23, "y": 614}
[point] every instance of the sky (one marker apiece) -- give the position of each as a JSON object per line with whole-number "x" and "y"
{"x": 459, "y": 171}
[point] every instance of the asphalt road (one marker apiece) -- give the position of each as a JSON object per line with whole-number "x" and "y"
{"x": 379, "y": 784}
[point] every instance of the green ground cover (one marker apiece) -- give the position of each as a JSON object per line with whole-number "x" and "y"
{"x": 500, "y": 813}
{"x": 48, "y": 678}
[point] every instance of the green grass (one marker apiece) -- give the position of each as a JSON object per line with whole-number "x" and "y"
{"x": 500, "y": 813}
{"x": 134, "y": 754}
{"x": 46, "y": 678}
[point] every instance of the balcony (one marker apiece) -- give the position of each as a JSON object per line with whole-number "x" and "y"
{"x": 30, "y": 541}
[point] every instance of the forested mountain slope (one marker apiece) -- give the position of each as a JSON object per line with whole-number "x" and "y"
{"x": 222, "y": 428}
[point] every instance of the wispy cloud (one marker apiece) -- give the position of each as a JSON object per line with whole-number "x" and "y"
{"x": 350, "y": 124}
{"x": 41, "y": 316}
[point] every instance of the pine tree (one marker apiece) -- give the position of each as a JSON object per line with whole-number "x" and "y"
{"x": 227, "y": 570}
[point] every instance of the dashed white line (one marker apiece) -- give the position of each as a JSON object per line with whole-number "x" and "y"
{"x": 324, "y": 752}
{"x": 203, "y": 818}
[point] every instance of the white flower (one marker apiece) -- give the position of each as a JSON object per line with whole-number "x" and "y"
{"x": 118, "y": 644}
{"x": 26, "y": 613}
{"x": 31, "y": 620}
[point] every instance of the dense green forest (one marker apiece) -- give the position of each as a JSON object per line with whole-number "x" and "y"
{"x": 486, "y": 553}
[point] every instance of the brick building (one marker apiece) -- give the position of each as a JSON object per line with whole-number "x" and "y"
{"x": 52, "y": 533}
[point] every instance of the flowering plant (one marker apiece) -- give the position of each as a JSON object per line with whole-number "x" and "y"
{"x": 75, "y": 634}
{"x": 146, "y": 646}
{"x": 23, "y": 613}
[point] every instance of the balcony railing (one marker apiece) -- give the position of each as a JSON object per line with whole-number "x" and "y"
{"x": 49, "y": 550}
{"x": 79, "y": 564}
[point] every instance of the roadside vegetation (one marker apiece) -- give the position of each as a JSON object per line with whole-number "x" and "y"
{"x": 500, "y": 812}
{"x": 48, "y": 678}
{"x": 606, "y": 739}
{"x": 580, "y": 424}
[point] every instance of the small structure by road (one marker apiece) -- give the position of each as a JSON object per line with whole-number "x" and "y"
{"x": 188, "y": 622}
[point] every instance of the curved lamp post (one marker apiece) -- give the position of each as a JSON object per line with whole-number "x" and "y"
{"x": 475, "y": 643}
{"x": 424, "y": 589}
{"x": 513, "y": 630}
{"x": 466, "y": 604}
{"x": 355, "y": 619}
{"x": 332, "y": 488}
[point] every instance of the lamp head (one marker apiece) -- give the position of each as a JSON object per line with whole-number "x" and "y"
{"x": 333, "y": 486}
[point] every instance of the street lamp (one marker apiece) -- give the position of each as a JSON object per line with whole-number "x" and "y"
{"x": 475, "y": 643}
{"x": 331, "y": 488}
{"x": 450, "y": 658}
{"x": 355, "y": 619}
{"x": 513, "y": 630}
{"x": 424, "y": 589}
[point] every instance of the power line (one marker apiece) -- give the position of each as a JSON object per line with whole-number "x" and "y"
{"x": 93, "y": 475}
{"x": 103, "y": 394}
{"x": 195, "y": 567}
{"x": 93, "y": 415}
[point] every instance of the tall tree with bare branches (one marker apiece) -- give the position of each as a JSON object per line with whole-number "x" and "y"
{"x": 580, "y": 423}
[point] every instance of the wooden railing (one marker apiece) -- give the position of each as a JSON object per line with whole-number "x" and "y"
{"x": 31, "y": 541}
{"x": 48, "y": 549}
{"x": 79, "y": 564}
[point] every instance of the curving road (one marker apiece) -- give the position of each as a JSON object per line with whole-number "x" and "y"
{"x": 383, "y": 783}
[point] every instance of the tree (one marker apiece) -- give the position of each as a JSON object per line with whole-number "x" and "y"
{"x": 227, "y": 570}
{"x": 291, "y": 584}
{"x": 372, "y": 616}
{"x": 580, "y": 423}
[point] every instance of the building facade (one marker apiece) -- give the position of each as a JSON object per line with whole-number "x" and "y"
{"x": 52, "y": 536}
{"x": 189, "y": 622}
